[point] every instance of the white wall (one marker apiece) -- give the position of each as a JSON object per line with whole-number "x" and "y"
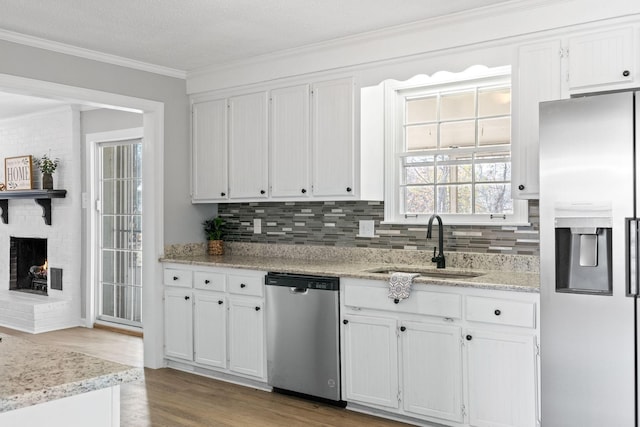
{"x": 56, "y": 133}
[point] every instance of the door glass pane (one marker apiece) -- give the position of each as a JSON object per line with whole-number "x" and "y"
{"x": 120, "y": 229}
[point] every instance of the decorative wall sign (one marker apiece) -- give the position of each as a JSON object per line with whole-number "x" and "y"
{"x": 17, "y": 173}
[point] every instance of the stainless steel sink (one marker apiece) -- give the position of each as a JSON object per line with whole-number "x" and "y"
{"x": 427, "y": 272}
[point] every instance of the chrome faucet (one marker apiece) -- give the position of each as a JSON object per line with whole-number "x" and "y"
{"x": 438, "y": 259}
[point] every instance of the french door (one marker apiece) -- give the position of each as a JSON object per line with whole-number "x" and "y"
{"x": 119, "y": 231}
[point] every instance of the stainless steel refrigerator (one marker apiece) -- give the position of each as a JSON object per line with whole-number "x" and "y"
{"x": 588, "y": 260}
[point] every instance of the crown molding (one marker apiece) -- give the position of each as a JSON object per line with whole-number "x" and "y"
{"x": 93, "y": 55}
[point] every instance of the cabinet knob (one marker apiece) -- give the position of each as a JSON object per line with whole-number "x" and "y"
{"x": 186, "y": 298}
{"x": 520, "y": 187}
{"x": 497, "y": 312}
{"x": 396, "y": 301}
{"x": 345, "y": 321}
{"x": 257, "y": 308}
{"x": 348, "y": 189}
{"x": 223, "y": 194}
{"x": 403, "y": 328}
{"x": 220, "y": 302}
{"x": 206, "y": 281}
{"x": 626, "y": 73}
{"x": 262, "y": 191}
{"x": 303, "y": 191}
{"x": 469, "y": 337}
{"x": 242, "y": 285}
{"x": 175, "y": 277}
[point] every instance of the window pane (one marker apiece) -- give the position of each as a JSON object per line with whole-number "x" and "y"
{"x": 458, "y": 134}
{"x": 418, "y": 200}
{"x": 494, "y": 131}
{"x": 494, "y": 102}
{"x": 418, "y": 159}
{"x": 454, "y": 173}
{"x": 422, "y": 110}
{"x": 459, "y": 105}
{"x": 419, "y": 175}
{"x": 422, "y": 137}
{"x": 454, "y": 199}
{"x": 494, "y": 198}
{"x": 493, "y": 167}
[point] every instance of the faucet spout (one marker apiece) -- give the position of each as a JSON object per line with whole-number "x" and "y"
{"x": 439, "y": 258}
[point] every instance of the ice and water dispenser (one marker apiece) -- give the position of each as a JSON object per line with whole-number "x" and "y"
{"x": 583, "y": 255}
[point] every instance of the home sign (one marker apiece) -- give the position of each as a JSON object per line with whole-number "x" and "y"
{"x": 17, "y": 173}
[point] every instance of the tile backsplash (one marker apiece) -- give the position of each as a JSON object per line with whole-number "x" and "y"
{"x": 337, "y": 224}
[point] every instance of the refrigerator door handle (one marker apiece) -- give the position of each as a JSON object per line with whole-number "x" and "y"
{"x": 632, "y": 256}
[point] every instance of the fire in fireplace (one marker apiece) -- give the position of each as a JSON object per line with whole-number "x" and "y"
{"x": 28, "y": 265}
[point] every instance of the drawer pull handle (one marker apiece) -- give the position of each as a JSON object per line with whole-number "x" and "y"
{"x": 257, "y": 308}
{"x": 469, "y": 337}
{"x": 396, "y": 301}
{"x": 242, "y": 285}
{"x": 220, "y": 302}
{"x": 304, "y": 191}
{"x": 403, "y": 328}
{"x": 497, "y": 312}
{"x": 186, "y": 298}
{"x": 207, "y": 281}
{"x": 345, "y": 321}
{"x": 223, "y": 194}
{"x": 175, "y": 277}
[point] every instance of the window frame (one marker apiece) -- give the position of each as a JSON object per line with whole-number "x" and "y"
{"x": 395, "y": 95}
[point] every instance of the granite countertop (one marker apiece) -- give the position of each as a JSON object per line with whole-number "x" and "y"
{"x": 35, "y": 373}
{"x": 486, "y": 279}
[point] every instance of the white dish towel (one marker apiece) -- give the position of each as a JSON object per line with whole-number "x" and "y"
{"x": 400, "y": 285}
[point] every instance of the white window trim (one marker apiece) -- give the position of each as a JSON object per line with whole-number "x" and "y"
{"x": 394, "y": 139}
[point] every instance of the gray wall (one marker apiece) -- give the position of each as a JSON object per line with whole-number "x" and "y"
{"x": 181, "y": 218}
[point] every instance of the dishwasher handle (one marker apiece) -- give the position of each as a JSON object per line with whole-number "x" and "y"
{"x": 298, "y": 291}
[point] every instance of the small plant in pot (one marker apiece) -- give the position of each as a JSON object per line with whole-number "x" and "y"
{"x": 214, "y": 230}
{"x": 47, "y": 166}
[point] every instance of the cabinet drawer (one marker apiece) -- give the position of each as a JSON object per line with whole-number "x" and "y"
{"x": 501, "y": 311}
{"x": 177, "y": 277}
{"x": 245, "y": 285}
{"x": 419, "y": 302}
{"x": 209, "y": 281}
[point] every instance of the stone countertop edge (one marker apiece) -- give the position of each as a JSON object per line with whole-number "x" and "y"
{"x": 488, "y": 279}
{"x": 31, "y": 393}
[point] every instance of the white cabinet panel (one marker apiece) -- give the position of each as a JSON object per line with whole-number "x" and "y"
{"x": 289, "y": 143}
{"x": 248, "y": 170}
{"x": 246, "y": 336}
{"x": 432, "y": 370}
{"x": 602, "y": 58}
{"x": 333, "y": 138}
{"x": 501, "y": 379}
{"x": 178, "y": 328}
{"x": 538, "y": 79}
{"x": 210, "y": 329}
{"x": 371, "y": 360}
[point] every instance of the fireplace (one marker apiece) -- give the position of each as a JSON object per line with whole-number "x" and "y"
{"x": 28, "y": 265}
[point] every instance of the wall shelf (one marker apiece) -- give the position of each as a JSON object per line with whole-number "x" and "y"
{"x": 41, "y": 197}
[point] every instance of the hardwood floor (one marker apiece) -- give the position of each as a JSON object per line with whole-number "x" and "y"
{"x": 171, "y": 398}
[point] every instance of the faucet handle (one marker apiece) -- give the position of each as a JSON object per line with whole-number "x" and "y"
{"x": 434, "y": 251}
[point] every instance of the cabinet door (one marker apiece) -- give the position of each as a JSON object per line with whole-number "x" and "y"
{"x": 371, "y": 360}
{"x": 432, "y": 370}
{"x": 178, "y": 323}
{"x": 209, "y": 151}
{"x": 248, "y": 146}
{"x": 289, "y": 143}
{"x": 246, "y": 336}
{"x": 601, "y": 59}
{"x": 210, "y": 329}
{"x": 333, "y": 138}
{"x": 538, "y": 79}
{"x": 501, "y": 379}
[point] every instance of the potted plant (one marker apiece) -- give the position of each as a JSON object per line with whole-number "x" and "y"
{"x": 47, "y": 166}
{"x": 214, "y": 230}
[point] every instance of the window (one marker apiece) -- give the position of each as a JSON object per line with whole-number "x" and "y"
{"x": 449, "y": 148}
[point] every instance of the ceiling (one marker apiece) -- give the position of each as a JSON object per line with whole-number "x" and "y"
{"x": 184, "y": 35}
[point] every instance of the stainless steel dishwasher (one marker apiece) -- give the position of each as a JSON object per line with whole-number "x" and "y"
{"x": 303, "y": 335}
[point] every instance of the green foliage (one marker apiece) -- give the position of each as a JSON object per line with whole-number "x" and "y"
{"x": 45, "y": 164}
{"x": 214, "y": 228}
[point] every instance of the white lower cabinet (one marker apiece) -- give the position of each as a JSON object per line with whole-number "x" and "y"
{"x": 221, "y": 330}
{"x": 471, "y": 361}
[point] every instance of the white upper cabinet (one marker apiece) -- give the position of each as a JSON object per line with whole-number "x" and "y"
{"x": 602, "y": 60}
{"x": 333, "y": 138}
{"x": 209, "y": 151}
{"x": 537, "y": 79}
{"x": 290, "y": 161}
{"x": 248, "y": 161}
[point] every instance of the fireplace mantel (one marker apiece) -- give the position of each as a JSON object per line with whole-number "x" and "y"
{"x": 41, "y": 197}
